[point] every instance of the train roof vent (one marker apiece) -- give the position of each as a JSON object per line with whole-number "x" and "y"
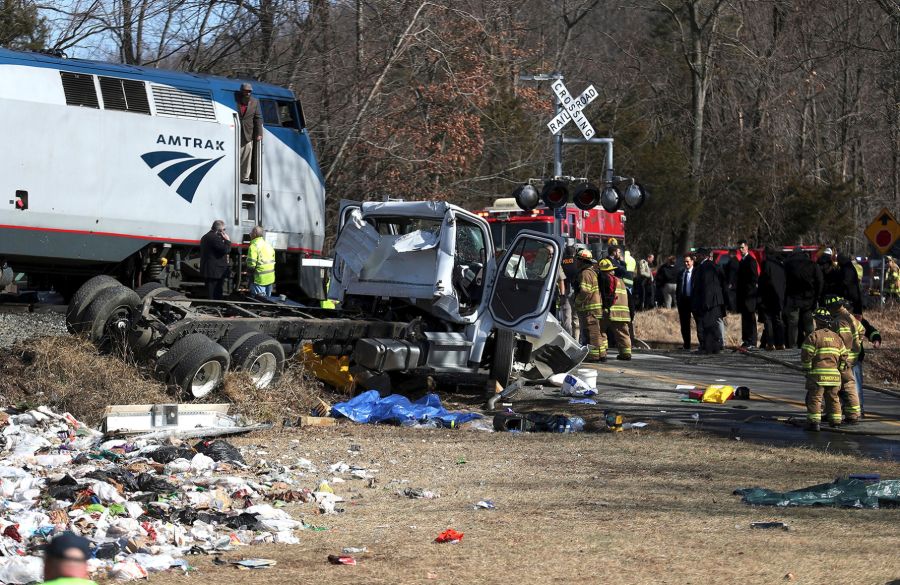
{"x": 183, "y": 103}
{"x": 79, "y": 89}
{"x": 127, "y": 95}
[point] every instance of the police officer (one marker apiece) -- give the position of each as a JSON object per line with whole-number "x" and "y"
{"x": 261, "y": 261}
{"x": 616, "y": 316}
{"x": 823, "y": 357}
{"x": 567, "y": 316}
{"x": 589, "y": 306}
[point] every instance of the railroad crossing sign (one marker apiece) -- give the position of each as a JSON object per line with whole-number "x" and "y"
{"x": 572, "y": 107}
{"x": 884, "y": 231}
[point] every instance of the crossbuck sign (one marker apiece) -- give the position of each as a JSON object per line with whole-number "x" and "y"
{"x": 572, "y": 107}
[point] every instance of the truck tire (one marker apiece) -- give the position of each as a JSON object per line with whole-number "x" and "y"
{"x": 260, "y": 356}
{"x": 82, "y": 298}
{"x": 202, "y": 367}
{"x": 235, "y": 337}
{"x": 167, "y": 362}
{"x": 504, "y": 351}
{"x": 149, "y": 287}
{"x": 110, "y": 315}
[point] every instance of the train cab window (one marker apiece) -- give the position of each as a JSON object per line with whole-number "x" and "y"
{"x": 287, "y": 114}
{"x": 269, "y": 112}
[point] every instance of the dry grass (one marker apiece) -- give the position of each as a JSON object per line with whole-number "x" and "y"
{"x": 662, "y": 326}
{"x": 68, "y": 374}
{"x": 632, "y": 507}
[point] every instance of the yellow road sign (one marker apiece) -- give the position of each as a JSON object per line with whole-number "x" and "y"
{"x": 884, "y": 231}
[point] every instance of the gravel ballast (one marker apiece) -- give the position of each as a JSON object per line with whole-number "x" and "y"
{"x": 15, "y": 327}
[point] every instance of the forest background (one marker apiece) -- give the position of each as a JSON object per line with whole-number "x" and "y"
{"x": 774, "y": 120}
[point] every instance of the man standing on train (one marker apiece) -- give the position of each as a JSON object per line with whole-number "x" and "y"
{"x": 251, "y": 130}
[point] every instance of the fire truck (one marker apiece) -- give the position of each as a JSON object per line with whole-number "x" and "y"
{"x": 592, "y": 227}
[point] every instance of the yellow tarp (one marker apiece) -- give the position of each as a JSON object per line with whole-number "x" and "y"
{"x": 717, "y": 394}
{"x": 331, "y": 370}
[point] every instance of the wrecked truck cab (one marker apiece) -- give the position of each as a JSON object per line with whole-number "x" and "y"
{"x": 432, "y": 264}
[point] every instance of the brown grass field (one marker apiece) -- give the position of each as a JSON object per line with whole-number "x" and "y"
{"x": 632, "y": 507}
{"x": 649, "y": 506}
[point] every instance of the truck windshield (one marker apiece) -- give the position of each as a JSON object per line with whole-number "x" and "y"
{"x": 504, "y": 232}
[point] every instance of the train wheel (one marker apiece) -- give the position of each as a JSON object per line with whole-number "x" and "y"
{"x": 83, "y": 297}
{"x": 110, "y": 316}
{"x": 202, "y": 368}
{"x": 262, "y": 357}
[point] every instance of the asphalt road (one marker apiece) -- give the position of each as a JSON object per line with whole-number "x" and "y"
{"x": 644, "y": 389}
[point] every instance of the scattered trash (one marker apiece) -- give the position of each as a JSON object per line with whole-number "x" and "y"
{"x": 254, "y": 563}
{"x": 537, "y": 422}
{"x": 485, "y": 505}
{"x": 370, "y": 407}
{"x": 576, "y": 386}
{"x": 334, "y": 371}
{"x": 769, "y": 525}
{"x": 844, "y": 493}
{"x": 418, "y": 494}
{"x": 354, "y": 550}
{"x": 696, "y": 394}
{"x": 741, "y": 393}
{"x": 144, "y": 502}
{"x": 613, "y": 420}
{"x": 341, "y": 560}
{"x": 316, "y": 421}
{"x": 461, "y": 461}
{"x": 140, "y": 418}
{"x": 582, "y": 401}
{"x": 449, "y": 536}
{"x": 634, "y": 425}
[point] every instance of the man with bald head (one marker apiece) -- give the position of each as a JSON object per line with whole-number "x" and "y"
{"x": 65, "y": 560}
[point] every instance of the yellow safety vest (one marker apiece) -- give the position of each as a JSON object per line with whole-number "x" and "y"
{"x": 261, "y": 260}
{"x": 859, "y": 270}
{"x": 630, "y": 267}
{"x": 892, "y": 281}
{"x": 619, "y": 310}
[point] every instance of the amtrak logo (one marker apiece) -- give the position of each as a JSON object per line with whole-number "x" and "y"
{"x": 193, "y": 170}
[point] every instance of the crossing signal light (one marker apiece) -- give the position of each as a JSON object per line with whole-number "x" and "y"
{"x": 635, "y": 196}
{"x": 526, "y": 197}
{"x": 555, "y": 194}
{"x": 586, "y": 196}
{"x": 611, "y": 199}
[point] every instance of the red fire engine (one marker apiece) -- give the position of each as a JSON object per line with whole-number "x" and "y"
{"x": 595, "y": 226}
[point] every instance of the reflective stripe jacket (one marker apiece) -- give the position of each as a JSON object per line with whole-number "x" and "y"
{"x": 261, "y": 260}
{"x": 892, "y": 280}
{"x": 852, "y": 333}
{"x": 588, "y": 298}
{"x": 619, "y": 310}
{"x": 630, "y": 269}
{"x": 823, "y": 356}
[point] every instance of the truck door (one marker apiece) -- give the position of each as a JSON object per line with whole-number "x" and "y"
{"x": 524, "y": 283}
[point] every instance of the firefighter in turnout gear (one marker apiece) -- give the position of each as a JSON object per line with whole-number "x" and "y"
{"x": 589, "y": 306}
{"x": 823, "y": 357}
{"x": 852, "y": 333}
{"x": 616, "y": 316}
{"x": 261, "y": 261}
{"x": 891, "y": 279}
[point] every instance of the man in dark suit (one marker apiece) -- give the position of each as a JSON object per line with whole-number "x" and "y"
{"x": 772, "y": 289}
{"x": 684, "y": 288}
{"x": 251, "y": 130}
{"x": 214, "y": 248}
{"x": 708, "y": 299}
{"x": 747, "y": 282}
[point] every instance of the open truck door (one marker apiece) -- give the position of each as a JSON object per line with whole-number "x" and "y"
{"x": 352, "y": 247}
{"x": 524, "y": 283}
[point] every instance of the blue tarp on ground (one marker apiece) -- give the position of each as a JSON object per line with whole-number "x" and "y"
{"x": 370, "y": 407}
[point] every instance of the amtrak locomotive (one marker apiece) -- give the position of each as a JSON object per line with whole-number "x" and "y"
{"x": 119, "y": 169}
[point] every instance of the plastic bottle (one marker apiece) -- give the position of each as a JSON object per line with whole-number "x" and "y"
{"x": 570, "y": 424}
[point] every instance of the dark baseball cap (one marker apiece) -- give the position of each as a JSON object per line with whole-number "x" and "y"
{"x": 61, "y": 545}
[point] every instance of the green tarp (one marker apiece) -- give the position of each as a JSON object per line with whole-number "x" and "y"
{"x": 842, "y": 493}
